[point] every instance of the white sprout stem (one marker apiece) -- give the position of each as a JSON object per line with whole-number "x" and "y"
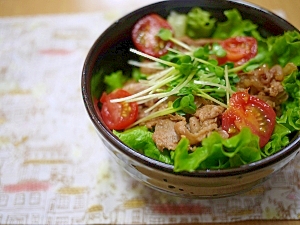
{"x": 153, "y": 115}
{"x": 180, "y": 53}
{"x": 139, "y": 96}
{"x": 160, "y": 75}
{"x": 205, "y": 62}
{"x": 181, "y": 44}
{"x": 148, "y": 97}
{"x": 156, "y": 104}
{"x": 153, "y": 58}
{"x": 145, "y": 98}
{"x": 177, "y": 88}
{"x": 154, "y": 78}
{"x": 228, "y": 87}
{"x": 150, "y": 65}
{"x": 204, "y": 95}
{"x": 191, "y": 55}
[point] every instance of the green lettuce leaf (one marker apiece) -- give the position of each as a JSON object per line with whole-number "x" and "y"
{"x": 278, "y": 140}
{"x": 140, "y": 139}
{"x": 114, "y": 80}
{"x": 291, "y": 117}
{"x": 218, "y": 153}
{"x": 185, "y": 161}
{"x": 235, "y": 26}
{"x": 284, "y": 49}
{"x": 291, "y": 84}
{"x": 274, "y": 50}
{"x": 199, "y": 23}
{"x": 291, "y": 108}
{"x": 178, "y": 23}
{"x": 242, "y": 148}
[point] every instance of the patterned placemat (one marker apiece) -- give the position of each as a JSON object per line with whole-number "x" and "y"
{"x": 53, "y": 167}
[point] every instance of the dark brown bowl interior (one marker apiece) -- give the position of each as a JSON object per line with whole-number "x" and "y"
{"x": 110, "y": 52}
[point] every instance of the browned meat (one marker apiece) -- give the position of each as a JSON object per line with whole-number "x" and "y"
{"x": 265, "y": 83}
{"x": 147, "y": 70}
{"x": 194, "y": 125}
{"x": 133, "y": 87}
{"x": 199, "y": 101}
{"x": 196, "y": 138}
{"x": 209, "y": 112}
{"x": 152, "y": 123}
{"x": 275, "y": 88}
{"x": 201, "y": 125}
{"x": 164, "y": 135}
{"x": 169, "y": 129}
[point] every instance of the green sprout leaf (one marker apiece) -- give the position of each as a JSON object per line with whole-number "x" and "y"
{"x": 165, "y": 34}
{"x": 185, "y": 104}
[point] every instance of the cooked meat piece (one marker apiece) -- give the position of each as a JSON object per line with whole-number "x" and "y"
{"x": 277, "y": 72}
{"x": 195, "y": 138}
{"x": 209, "y": 112}
{"x": 169, "y": 129}
{"x": 274, "y": 102}
{"x": 153, "y": 122}
{"x": 144, "y": 107}
{"x": 176, "y": 117}
{"x": 164, "y": 135}
{"x": 199, "y": 101}
{"x": 195, "y": 126}
{"x": 265, "y": 83}
{"x": 201, "y": 125}
{"x": 148, "y": 70}
{"x": 275, "y": 88}
{"x": 133, "y": 87}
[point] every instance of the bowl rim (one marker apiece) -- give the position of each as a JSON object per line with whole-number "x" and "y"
{"x": 292, "y": 147}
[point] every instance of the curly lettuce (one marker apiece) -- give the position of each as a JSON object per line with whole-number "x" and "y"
{"x": 217, "y": 152}
{"x": 234, "y": 26}
{"x": 278, "y": 140}
{"x": 140, "y": 139}
{"x": 283, "y": 49}
{"x": 290, "y": 117}
{"x": 199, "y": 23}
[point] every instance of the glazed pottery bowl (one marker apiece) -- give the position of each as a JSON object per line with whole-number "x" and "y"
{"x": 110, "y": 52}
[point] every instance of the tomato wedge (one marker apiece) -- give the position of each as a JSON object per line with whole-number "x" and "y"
{"x": 118, "y": 116}
{"x": 144, "y": 35}
{"x": 239, "y": 50}
{"x": 249, "y": 111}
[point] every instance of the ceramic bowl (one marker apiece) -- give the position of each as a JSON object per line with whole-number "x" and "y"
{"x": 110, "y": 52}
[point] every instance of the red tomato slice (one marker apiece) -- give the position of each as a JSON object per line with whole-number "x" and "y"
{"x": 118, "y": 116}
{"x": 239, "y": 50}
{"x": 249, "y": 111}
{"x": 144, "y": 35}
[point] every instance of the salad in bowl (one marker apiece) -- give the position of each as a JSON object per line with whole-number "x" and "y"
{"x": 205, "y": 94}
{"x": 197, "y": 98}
